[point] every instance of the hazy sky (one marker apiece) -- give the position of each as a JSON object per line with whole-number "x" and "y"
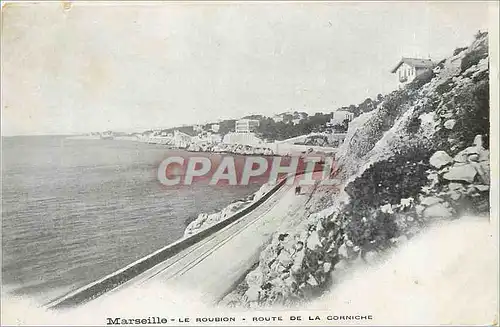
{"x": 133, "y": 66}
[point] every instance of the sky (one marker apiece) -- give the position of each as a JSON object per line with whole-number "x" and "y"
{"x": 134, "y": 66}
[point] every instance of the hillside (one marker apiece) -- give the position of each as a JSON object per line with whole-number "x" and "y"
{"x": 420, "y": 156}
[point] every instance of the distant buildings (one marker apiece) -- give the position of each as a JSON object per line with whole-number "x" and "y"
{"x": 215, "y": 128}
{"x": 277, "y": 118}
{"x": 290, "y": 117}
{"x": 246, "y": 125}
{"x": 408, "y": 68}
{"x": 207, "y": 137}
{"x": 339, "y": 116}
{"x": 107, "y": 135}
{"x": 197, "y": 128}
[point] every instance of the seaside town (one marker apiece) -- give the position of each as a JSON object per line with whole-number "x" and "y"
{"x": 283, "y": 134}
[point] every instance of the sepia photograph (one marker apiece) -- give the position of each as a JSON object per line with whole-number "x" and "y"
{"x": 249, "y": 163}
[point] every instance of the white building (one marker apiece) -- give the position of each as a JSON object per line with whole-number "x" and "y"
{"x": 215, "y": 128}
{"x": 278, "y": 118}
{"x": 339, "y": 116}
{"x": 408, "y": 68}
{"x": 246, "y": 125}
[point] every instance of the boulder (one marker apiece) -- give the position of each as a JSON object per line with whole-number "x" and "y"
{"x": 297, "y": 262}
{"x": 440, "y": 159}
{"x": 343, "y": 251}
{"x": 311, "y": 280}
{"x": 455, "y": 186}
{"x": 313, "y": 241}
{"x": 484, "y": 155}
{"x": 450, "y": 123}
{"x": 285, "y": 259}
{"x": 483, "y": 169}
{"x": 473, "y": 157}
{"x": 253, "y": 294}
{"x": 478, "y": 141}
{"x": 454, "y": 195}
{"x": 406, "y": 202}
{"x": 386, "y": 208}
{"x": 463, "y": 155}
{"x": 430, "y": 200}
{"x": 290, "y": 282}
{"x": 327, "y": 266}
{"x": 438, "y": 210}
{"x": 461, "y": 173}
{"x": 482, "y": 188}
{"x": 277, "y": 282}
{"x": 254, "y": 278}
{"x": 319, "y": 226}
{"x": 299, "y": 246}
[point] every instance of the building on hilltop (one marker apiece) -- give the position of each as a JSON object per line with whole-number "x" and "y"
{"x": 408, "y": 68}
{"x": 246, "y": 125}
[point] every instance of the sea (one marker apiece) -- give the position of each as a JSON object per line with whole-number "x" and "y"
{"x": 76, "y": 210}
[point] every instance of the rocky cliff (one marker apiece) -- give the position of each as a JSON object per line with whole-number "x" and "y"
{"x": 420, "y": 156}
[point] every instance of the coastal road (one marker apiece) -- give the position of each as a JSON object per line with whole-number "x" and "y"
{"x": 212, "y": 267}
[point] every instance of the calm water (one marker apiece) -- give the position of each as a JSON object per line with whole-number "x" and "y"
{"x": 76, "y": 210}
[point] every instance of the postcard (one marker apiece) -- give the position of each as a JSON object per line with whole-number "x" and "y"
{"x": 249, "y": 163}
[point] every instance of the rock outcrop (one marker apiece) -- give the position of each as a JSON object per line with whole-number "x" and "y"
{"x": 422, "y": 155}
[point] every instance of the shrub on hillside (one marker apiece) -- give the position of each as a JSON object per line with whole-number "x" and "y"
{"x": 445, "y": 87}
{"x": 473, "y": 115}
{"x": 390, "y": 180}
{"x": 473, "y": 58}
{"x": 385, "y": 182}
